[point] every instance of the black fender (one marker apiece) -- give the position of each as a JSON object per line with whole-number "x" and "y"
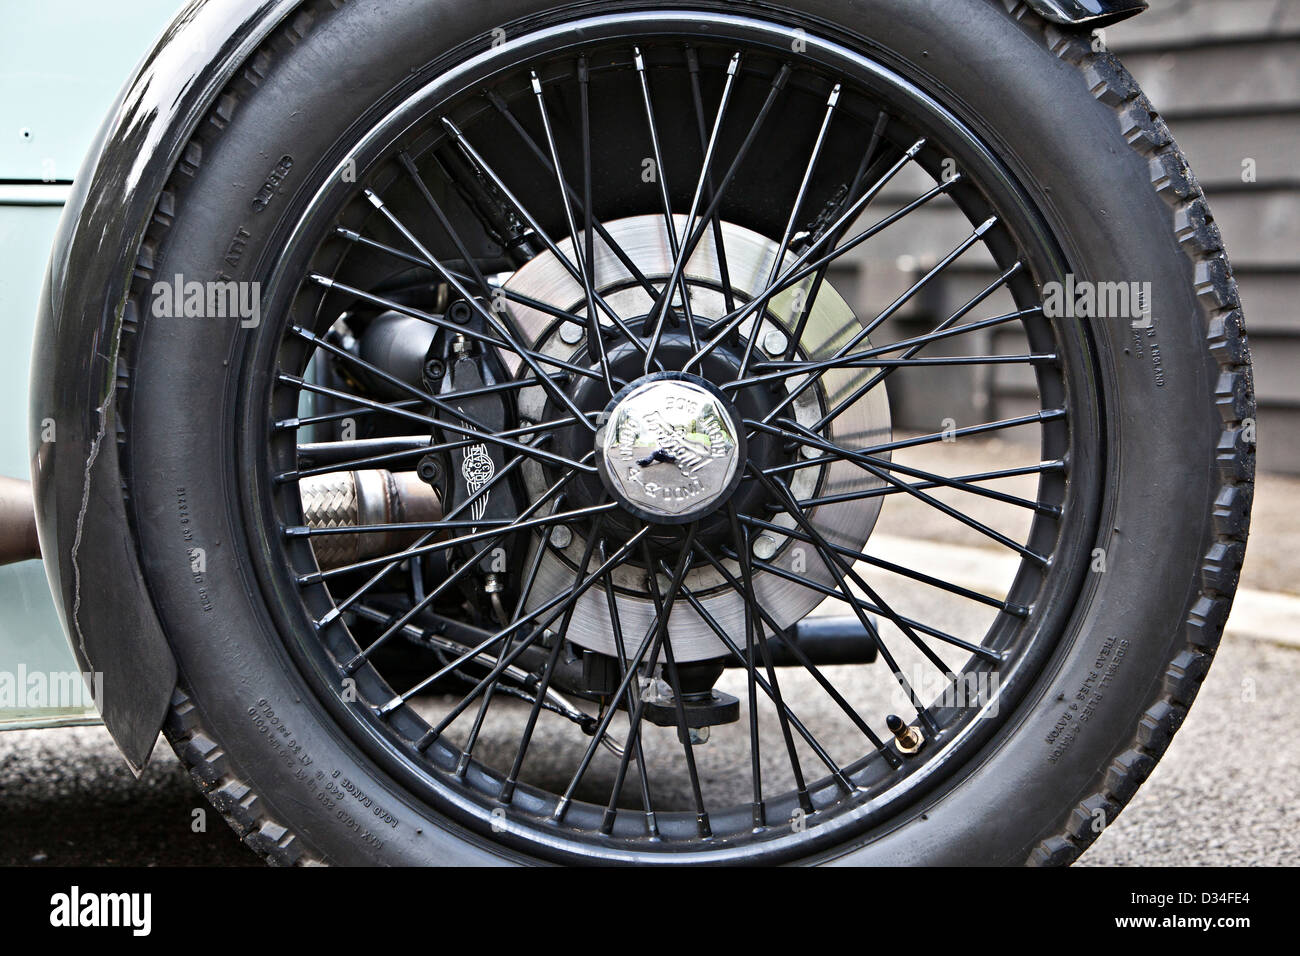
{"x": 89, "y": 550}
{"x": 89, "y": 553}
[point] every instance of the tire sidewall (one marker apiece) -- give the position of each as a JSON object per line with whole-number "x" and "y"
{"x": 1066, "y": 148}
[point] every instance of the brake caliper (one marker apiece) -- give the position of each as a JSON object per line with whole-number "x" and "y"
{"x": 474, "y": 463}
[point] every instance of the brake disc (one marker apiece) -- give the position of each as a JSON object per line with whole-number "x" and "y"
{"x": 865, "y": 423}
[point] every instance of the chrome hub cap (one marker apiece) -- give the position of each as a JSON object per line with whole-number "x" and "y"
{"x": 671, "y": 448}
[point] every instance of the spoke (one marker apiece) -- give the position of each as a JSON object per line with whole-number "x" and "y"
{"x": 654, "y": 636}
{"x": 502, "y": 329}
{"x": 284, "y": 424}
{"x": 674, "y": 244}
{"x": 931, "y": 480}
{"x": 830, "y": 592}
{"x": 525, "y": 591}
{"x": 767, "y": 689}
{"x": 801, "y": 269}
{"x": 862, "y": 360}
{"x": 340, "y": 606}
{"x": 306, "y": 531}
{"x": 397, "y": 411}
{"x": 801, "y": 657}
{"x": 338, "y": 453}
{"x": 688, "y": 247}
{"x": 494, "y": 532}
{"x": 977, "y": 235}
{"x": 512, "y": 778}
{"x": 398, "y": 383}
{"x": 1037, "y": 418}
{"x": 946, "y": 328}
{"x": 969, "y": 646}
{"x": 729, "y": 323}
{"x": 1041, "y": 468}
{"x": 838, "y": 570}
{"x": 589, "y": 215}
{"x": 428, "y": 599}
{"x": 664, "y": 609}
{"x": 353, "y": 236}
{"x": 443, "y": 323}
{"x": 759, "y": 810}
{"x": 337, "y": 464}
{"x": 557, "y": 606}
{"x": 586, "y": 262}
{"x": 864, "y": 166}
{"x": 560, "y": 600}
{"x": 534, "y": 225}
{"x": 787, "y": 368}
{"x": 724, "y": 274}
{"x": 796, "y": 432}
{"x": 634, "y": 739}
{"x": 794, "y": 273}
{"x": 479, "y": 279}
{"x": 485, "y": 436}
{"x": 586, "y": 206}
{"x": 741, "y": 536}
{"x": 843, "y": 570}
{"x": 519, "y": 677}
{"x": 831, "y": 102}
{"x": 519, "y": 524}
{"x": 670, "y": 227}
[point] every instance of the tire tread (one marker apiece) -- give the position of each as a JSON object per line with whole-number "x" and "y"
{"x": 1233, "y": 404}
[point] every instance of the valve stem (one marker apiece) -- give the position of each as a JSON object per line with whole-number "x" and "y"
{"x": 907, "y": 739}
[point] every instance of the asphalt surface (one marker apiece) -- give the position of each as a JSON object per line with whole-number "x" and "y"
{"x": 1224, "y": 794}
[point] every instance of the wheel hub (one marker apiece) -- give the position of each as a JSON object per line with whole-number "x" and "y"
{"x": 671, "y": 448}
{"x": 783, "y": 558}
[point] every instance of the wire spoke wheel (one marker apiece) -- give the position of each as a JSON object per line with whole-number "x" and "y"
{"x": 569, "y": 316}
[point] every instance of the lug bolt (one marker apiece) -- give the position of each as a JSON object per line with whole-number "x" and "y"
{"x": 764, "y": 547}
{"x": 428, "y": 469}
{"x": 570, "y": 333}
{"x": 907, "y": 739}
{"x": 774, "y": 342}
{"x": 561, "y": 537}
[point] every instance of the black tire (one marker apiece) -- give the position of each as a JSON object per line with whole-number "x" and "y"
{"x": 1104, "y": 173}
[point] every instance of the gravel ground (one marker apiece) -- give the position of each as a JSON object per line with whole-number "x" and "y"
{"x": 1223, "y": 795}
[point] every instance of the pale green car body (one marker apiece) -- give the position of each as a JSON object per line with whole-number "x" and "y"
{"x": 61, "y": 65}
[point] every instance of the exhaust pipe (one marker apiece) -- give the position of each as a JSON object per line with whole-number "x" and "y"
{"x": 18, "y": 540}
{"x": 375, "y": 497}
{"x": 340, "y": 499}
